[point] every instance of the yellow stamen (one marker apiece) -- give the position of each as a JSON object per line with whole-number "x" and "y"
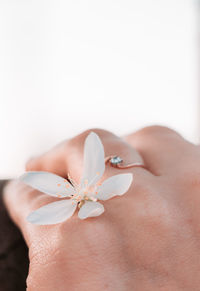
{"x": 81, "y": 204}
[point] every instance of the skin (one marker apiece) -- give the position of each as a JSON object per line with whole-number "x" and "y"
{"x": 146, "y": 240}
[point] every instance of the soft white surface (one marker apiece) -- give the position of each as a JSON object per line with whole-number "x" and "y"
{"x": 48, "y": 183}
{"x": 90, "y": 209}
{"x": 53, "y": 213}
{"x": 115, "y": 185}
{"x": 70, "y": 65}
{"x": 94, "y": 164}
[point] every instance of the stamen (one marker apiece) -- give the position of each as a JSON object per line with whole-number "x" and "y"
{"x": 93, "y": 199}
{"x": 58, "y": 185}
{"x": 81, "y": 203}
{"x": 72, "y": 182}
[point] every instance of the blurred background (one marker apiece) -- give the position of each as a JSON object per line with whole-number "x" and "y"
{"x": 69, "y": 65}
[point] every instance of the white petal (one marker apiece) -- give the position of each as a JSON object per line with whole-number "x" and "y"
{"x": 48, "y": 183}
{"x": 94, "y": 164}
{"x": 115, "y": 185}
{"x": 53, "y": 213}
{"x": 90, "y": 209}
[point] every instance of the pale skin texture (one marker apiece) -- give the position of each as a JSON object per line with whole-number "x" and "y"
{"x": 146, "y": 240}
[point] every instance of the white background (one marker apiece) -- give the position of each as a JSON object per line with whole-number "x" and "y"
{"x": 68, "y": 65}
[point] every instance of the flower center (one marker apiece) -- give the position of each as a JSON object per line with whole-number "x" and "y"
{"x": 83, "y": 194}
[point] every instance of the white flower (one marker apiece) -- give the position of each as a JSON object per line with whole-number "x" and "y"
{"x": 84, "y": 195}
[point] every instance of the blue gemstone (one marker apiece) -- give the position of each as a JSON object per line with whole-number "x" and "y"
{"x": 116, "y": 160}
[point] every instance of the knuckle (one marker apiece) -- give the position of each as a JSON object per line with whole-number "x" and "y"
{"x": 33, "y": 164}
{"x": 157, "y": 130}
{"x": 99, "y": 131}
{"x": 94, "y": 129}
{"x": 81, "y": 137}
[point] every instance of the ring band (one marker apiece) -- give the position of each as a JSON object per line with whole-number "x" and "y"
{"x": 117, "y": 162}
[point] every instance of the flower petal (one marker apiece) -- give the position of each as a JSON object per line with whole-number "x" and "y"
{"x": 94, "y": 164}
{"x": 90, "y": 209}
{"x": 48, "y": 183}
{"x": 115, "y": 185}
{"x": 53, "y": 213}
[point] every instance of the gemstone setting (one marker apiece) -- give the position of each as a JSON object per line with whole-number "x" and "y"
{"x": 116, "y": 160}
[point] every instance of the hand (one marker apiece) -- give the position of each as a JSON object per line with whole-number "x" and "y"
{"x": 148, "y": 239}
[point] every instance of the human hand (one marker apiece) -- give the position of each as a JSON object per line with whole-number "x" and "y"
{"x": 147, "y": 239}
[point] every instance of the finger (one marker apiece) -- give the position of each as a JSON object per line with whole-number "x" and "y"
{"x": 54, "y": 161}
{"x": 113, "y": 145}
{"x": 163, "y": 149}
{"x": 21, "y": 199}
{"x": 58, "y": 159}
